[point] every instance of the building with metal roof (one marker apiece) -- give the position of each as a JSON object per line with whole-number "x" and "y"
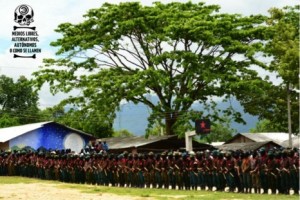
{"x": 249, "y": 146}
{"x": 255, "y": 141}
{"x": 50, "y": 135}
{"x": 295, "y": 142}
{"x": 153, "y": 143}
{"x": 277, "y": 138}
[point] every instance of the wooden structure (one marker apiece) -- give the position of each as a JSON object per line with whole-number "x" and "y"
{"x": 141, "y": 144}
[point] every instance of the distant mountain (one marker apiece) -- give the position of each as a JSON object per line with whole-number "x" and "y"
{"x": 134, "y": 117}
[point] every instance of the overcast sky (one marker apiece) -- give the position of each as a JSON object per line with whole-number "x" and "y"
{"x": 49, "y": 14}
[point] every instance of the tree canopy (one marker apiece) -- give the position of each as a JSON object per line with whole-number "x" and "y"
{"x": 180, "y": 52}
{"x": 18, "y": 102}
{"x": 283, "y": 48}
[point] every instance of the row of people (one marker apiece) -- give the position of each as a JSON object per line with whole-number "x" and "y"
{"x": 236, "y": 171}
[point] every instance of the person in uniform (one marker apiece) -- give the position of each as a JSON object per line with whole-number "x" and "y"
{"x": 178, "y": 170}
{"x": 201, "y": 169}
{"x": 208, "y": 167}
{"x": 130, "y": 170}
{"x": 111, "y": 169}
{"x": 245, "y": 167}
{"x": 157, "y": 168}
{"x": 193, "y": 170}
{"x": 135, "y": 169}
{"x": 254, "y": 173}
{"x": 121, "y": 169}
{"x": 164, "y": 170}
{"x": 263, "y": 170}
{"x": 215, "y": 170}
{"x": 229, "y": 171}
{"x": 294, "y": 170}
{"x": 171, "y": 171}
{"x": 105, "y": 168}
{"x": 186, "y": 171}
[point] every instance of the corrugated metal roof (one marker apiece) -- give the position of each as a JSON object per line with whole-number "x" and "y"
{"x": 9, "y": 133}
{"x": 249, "y": 146}
{"x": 263, "y": 137}
{"x": 295, "y": 142}
{"x": 134, "y": 141}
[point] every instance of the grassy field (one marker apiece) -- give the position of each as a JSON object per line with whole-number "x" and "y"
{"x": 159, "y": 194}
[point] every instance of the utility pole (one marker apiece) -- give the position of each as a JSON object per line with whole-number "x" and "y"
{"x": 289, "y": 114}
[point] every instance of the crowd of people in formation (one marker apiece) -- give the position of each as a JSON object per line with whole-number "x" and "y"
{"x": 275, "y": 171}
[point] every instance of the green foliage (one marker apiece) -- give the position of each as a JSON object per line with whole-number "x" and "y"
{"x": 284, "y": 43}
{"x": 122, "y": 133}
{"x": 283, "y": 46}
{"x": 90, "y": 122}
{"x": 265, "y": 126}
{"x": 220, "y": 131}
{"x": 155, "y": 129}
{"x": 18, "y": 102}
{"x": 180, "y": 52}
{"x": 6, "y": 121}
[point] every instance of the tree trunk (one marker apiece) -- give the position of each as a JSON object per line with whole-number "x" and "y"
{"x": 170, "y": 119}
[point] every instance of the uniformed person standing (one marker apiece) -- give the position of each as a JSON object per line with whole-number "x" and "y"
{"x": 254, "y": 173}
{"x": 178, "y": 170}
{"x": 201, "y": 169}
{"x": 171, "y": 171}
{"x": 294, "y": 170}
{"x": 164, "y": 170}
{"x": 230, "y": 172}
{"x": 186, "y": 171}
{"x": 193, "y": 169}
{"x": 271, "y": 172}
{"x": 157, "y": 167}
{"x": 246, "y": 172}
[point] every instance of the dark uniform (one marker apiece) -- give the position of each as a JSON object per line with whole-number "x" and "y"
{"x": 230, "y": 171}
{"x": 193, "y": 171}
{"x": 178, "y": 170}
{"x": 271, "y": 172}
{"x": 246, "y": 167}
{"x": 164, "y": 170}
{"x": 157, "y": 168}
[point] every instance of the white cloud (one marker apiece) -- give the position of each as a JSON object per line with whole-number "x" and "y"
{"x": 248, "y": 7}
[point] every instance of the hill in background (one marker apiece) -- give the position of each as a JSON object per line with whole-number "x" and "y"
{"x": 134, "y": 117}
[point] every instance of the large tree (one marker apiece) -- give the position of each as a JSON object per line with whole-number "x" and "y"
{"x": 18, "y": 101}
{"x": 283, "y": 49}
{"x": 180, "y": 52}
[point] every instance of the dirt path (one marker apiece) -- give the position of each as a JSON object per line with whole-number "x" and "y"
{"x": 40, "y": 191}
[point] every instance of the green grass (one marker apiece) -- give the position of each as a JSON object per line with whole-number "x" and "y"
{"x": 17, "y": 179}
{"x": 159, "y": 194}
